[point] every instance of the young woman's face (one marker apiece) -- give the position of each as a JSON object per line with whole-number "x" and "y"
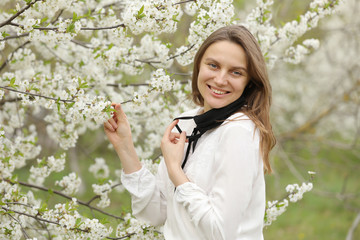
{"x": 222, "y": 74}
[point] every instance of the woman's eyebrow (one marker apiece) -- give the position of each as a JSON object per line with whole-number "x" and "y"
{"x": 233, "y": 67}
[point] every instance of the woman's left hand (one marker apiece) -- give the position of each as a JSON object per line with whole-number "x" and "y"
{"x": 172, "y": 147}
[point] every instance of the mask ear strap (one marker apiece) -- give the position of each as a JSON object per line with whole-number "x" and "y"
{"x": 182, "y": 118}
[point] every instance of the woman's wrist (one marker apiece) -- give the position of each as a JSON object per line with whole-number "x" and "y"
{"x": 177, "y": 175}
{"x": 128, "y": 158}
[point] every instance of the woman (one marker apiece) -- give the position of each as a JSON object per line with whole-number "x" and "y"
{"x": 211, "y": 183}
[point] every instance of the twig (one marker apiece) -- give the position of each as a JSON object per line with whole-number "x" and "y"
{"x": 11, "y": 56}
{"x": 98, "y": 196}
{"x": 15, "y": 36}
{"x": 351, "y": 231}
{"x": 62, "y": 195}
{"x": 57, "y": 17}
{"x": 57, "y": 29}
{"x": 123, "y": 237}
{"x": 22, "y": 228}
{"x": 81, "y": 44}
{"x": 103, "y": 28}
{"x": 185, "y": 1}
{"x": 172, "y": 57}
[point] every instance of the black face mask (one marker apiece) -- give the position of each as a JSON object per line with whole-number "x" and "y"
{"x": 209, "y": 120}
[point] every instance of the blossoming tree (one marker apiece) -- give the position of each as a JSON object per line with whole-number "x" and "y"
{"x": 62, "y": 64}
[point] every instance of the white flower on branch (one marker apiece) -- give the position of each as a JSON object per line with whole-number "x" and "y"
{"x": 70, "y": 184}
{"x": 100, "y": 169}
{"x": 276, "y": 208}
{"x": 103, "y": 190}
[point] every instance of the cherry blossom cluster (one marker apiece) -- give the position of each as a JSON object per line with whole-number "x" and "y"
{"x": 45, "y": 168}
{"x": 103, "y": 190}
{"x": 278, "y": 207}
{"x": 136, "y": 229}
{"x": 278, "y": 41}
{"x": 70, "y": 184}
{"x": 99, "y": 169}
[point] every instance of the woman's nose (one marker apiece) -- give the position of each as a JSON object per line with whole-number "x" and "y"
{"x": 220, "y": 79}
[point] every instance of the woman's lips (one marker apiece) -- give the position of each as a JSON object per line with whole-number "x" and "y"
{"x": 217, "y": 91}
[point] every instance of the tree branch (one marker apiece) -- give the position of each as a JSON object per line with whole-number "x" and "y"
{"x": 62, "y": 195}
{"x": 18, "y": 14}
{"x": 50, "y": 98}
{"x": 38, "y": 95}
{"x": 14, "y": 37}
{"x": 185, "y": 1}
{"x": 172, "y": 57}
{"x": 57, "y": 29}
{"x": 40, "y": 219}
{"x": 315, "y": 120}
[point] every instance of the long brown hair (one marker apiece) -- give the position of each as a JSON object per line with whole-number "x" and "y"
{"x": 259, "y": 89}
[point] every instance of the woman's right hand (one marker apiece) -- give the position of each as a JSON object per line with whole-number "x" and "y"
{"x": 118, "y": 131}
{"x": 117, "y": 128}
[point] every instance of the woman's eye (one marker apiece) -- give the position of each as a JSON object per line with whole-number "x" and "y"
{"x": 212, "y": 65}
{"x": 237, "y": 73}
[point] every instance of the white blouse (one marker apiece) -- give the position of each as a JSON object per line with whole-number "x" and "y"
{"x": 225, "y": 198}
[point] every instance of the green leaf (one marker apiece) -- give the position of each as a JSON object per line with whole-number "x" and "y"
{"x": 110, "y": 46}
{"x": 75, "y": 17}
{"x": 141, "y": 10}
{"x": 43, "y": 20}
{"x": 140, "y": 13}
{"x": 58, "y": 104}
{"x": 71, "y": 28}
{"x": 78, "y": 222}
{"x": 4, "y": 34}
{"x": 69, "y": 105}
{"x": 12, "y": 82}
{"x": 50, "y": 191}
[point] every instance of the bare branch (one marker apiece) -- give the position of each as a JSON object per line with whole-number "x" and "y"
{"x": 18, "y": 14}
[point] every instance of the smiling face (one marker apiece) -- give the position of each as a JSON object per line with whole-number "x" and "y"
{"x": 222, "y": 75}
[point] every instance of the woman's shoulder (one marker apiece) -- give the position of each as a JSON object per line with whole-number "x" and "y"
{"x": 239, "y": 119}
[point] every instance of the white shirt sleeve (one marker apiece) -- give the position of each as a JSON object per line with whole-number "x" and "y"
{"x": 218, "y": 213}
{"x": 147, "y": 200}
